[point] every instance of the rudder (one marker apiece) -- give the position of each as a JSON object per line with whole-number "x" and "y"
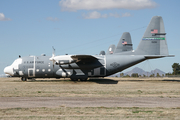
{"x": 154, "y": 39}
{"x": 111, "y": 49}
{"x": 125, "y": 43}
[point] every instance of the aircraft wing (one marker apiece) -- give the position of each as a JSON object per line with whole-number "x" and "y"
{"x": 78, "y": 58}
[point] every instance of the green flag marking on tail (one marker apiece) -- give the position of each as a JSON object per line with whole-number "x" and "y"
{"x": 153, "y": 39}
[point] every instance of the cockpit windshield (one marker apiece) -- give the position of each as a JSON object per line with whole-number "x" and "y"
{"x": 16, "y": 63}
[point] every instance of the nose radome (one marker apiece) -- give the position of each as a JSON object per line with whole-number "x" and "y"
{"x": 9, "y": 70}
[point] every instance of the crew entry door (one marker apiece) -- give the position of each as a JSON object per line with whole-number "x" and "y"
{"x": 31, "y": 71}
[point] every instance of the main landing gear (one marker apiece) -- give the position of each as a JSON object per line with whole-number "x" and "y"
{"x": 81, "y": 79}
{"x": 24, "y": 79}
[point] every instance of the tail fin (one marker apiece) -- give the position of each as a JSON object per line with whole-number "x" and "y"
{"x": 102, "y": 53}
{"x": 154, "y": 39}
{"x": 125, "y": 43}
{"x": 111, "y": 49}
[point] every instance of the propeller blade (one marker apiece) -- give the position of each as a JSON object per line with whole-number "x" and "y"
{"x": 52, "y": 58}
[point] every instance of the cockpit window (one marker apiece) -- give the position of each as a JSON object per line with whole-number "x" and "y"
{"x": 16, "y": 63}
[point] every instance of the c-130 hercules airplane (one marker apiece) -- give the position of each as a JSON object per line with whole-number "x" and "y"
{"x": 153, "y": 45}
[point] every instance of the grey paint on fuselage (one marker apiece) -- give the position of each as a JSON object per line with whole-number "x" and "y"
{"x": 41, "y": 67}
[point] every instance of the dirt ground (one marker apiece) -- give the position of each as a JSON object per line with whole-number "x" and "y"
{"x": 102, "y": 98}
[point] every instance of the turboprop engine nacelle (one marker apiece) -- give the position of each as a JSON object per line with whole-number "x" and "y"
{"x": 64, "y": 73}
{"x": 62, "y": 59}
{"x": 63, "y": 62}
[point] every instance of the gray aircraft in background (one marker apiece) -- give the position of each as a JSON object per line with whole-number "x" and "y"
{"x": 117, "y": 58}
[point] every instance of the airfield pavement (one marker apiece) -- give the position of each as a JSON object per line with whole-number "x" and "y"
{"x": 98, "y": 98}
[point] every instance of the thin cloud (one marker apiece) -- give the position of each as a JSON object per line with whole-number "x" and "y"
{"x": 116, "y": 15}
{"x": 3, "y": 18}
{"x": 74, "y": 5}
{"x": 52, "y": 19}
{"x": 96, "y": 15}
{"x": 126, "y": 15}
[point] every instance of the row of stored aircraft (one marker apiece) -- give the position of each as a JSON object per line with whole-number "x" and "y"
{"x": 152, "y": 45}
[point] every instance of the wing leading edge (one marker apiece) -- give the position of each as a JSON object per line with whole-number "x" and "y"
{"x": 78, "y": 58}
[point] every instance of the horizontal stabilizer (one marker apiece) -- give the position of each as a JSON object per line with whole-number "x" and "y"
{"x": 157, "y": 56}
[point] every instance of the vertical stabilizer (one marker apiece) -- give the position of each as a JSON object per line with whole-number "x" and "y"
{"x": 102, "y": 53}
{"x": 125, "y": 43}
{"x": 154, "y": 39}
{"x": 111, "y": 49}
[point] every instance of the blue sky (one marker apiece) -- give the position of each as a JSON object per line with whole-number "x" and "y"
{"x": 83, "y": 27}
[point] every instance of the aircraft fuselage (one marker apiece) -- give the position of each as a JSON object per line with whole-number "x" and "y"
{"x": 42, "y": 67}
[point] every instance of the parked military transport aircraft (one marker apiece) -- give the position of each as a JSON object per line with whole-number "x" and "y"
{"x": 153, "y": 45}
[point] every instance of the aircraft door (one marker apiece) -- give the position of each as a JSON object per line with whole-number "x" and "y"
{"x": 99, "y": 72}
{"x": 31, "y": 73}
{"x": 102, "y": 71}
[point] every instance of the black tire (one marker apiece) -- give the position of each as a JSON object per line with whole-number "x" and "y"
{"x": 74, "y": 79}
{"x": 84, "y": 79}
{"x": 24, "y": 79}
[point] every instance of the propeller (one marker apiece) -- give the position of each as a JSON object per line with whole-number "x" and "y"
{"x": 52, "y": 58}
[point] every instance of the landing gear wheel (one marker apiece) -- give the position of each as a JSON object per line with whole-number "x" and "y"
{"x": 83, "y": 79}
{"x": 74, "y": 79}
{"x": 24, "y": 79}
{"x": 32, "y": 79}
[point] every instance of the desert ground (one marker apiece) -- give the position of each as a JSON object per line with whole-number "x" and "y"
{"x": 97, "y": 98}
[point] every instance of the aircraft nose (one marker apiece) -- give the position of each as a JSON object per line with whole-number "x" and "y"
{"x": 9, "y": 70}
